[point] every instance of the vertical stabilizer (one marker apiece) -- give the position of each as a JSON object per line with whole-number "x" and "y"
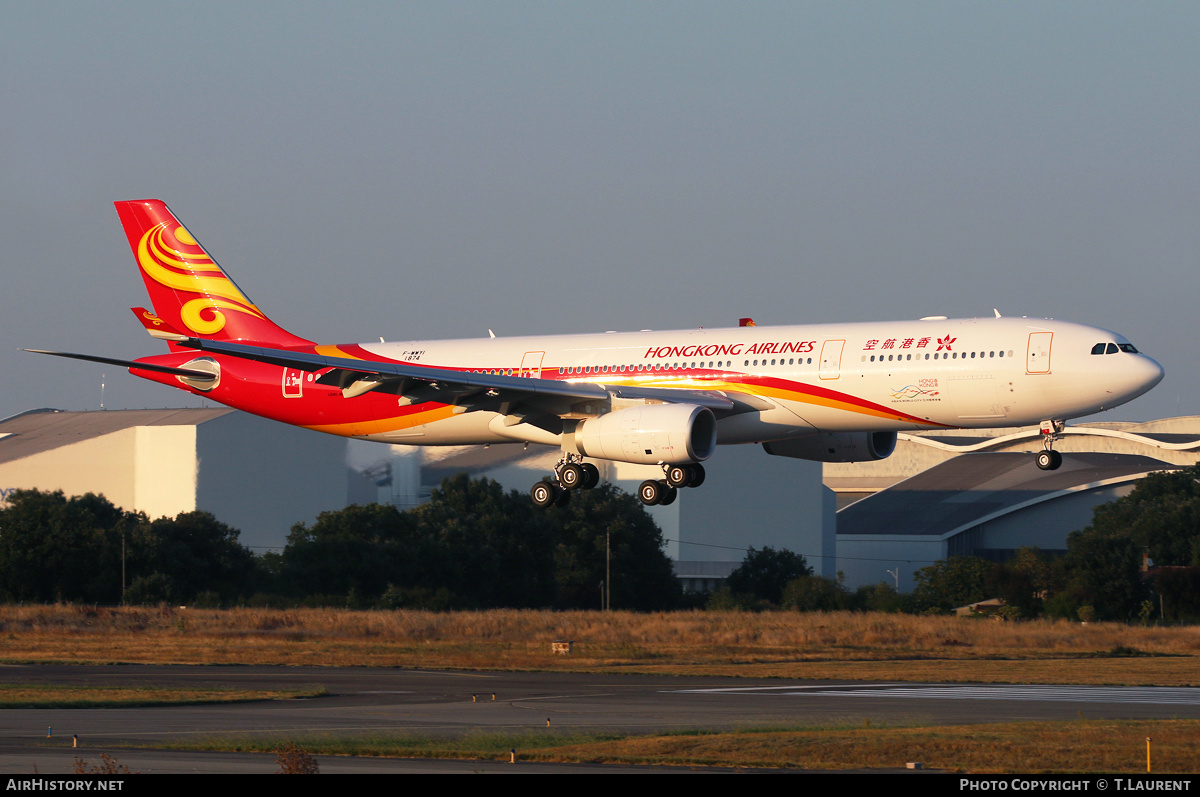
{"x": 188, "y": 289}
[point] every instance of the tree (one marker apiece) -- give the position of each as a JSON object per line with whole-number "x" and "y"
{"x": 194, "y": 553}
{"x": 1161, "y": 514}
{"x": 880, "y": 597}
{"x": 359, "y": 548}
{"x": 765, "y": 573}
{"x": 1103, "y": 571}
{"x": 487, "y": 546}
{"x": 1025, "y": 581}
{"x": 952, "y": 582}
{"x": 641, "y": 573}
{"x": 56, "y": 548}
{"x": 815, "y": 594}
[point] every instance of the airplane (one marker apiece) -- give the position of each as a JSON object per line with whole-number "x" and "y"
{"x": 828, "y": 392}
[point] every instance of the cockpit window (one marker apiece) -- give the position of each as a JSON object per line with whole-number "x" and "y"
{"x": 1113, "y": 348}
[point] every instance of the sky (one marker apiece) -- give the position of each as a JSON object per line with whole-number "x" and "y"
{"x": 434, "y": 170}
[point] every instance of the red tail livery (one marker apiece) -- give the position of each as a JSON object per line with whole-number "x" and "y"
{"x": 187, "y": 287}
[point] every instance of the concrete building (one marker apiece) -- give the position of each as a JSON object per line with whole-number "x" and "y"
{"x": 256, "y": 475}
{"x": 979, "y": 493}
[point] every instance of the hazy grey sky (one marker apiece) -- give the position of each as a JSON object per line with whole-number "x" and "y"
{"x": 423, "y": 170}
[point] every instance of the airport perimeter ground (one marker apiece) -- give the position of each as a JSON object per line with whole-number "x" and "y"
{"x": 813, "y": 691}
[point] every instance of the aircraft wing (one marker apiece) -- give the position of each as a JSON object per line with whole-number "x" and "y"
{"x": 475, "y": 391}
{"x": 200, "y": 376}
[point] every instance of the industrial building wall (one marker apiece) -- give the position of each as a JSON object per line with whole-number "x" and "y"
{"x": 1047, "y": 524}
{"x": 867, "y": 559}
{"x": 750, "y": 498}
{"x": 151, "y": 469}
{"x": 262, "y": 477}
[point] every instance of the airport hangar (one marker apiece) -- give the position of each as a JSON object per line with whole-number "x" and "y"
{"x": 957, "y": 492}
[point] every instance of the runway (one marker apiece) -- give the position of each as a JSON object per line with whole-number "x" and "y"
{"x": 379, "y": 701}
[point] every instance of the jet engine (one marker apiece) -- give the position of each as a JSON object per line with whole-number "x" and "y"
{"x": 836, "y": 446}
{"x": 648, "y": 434}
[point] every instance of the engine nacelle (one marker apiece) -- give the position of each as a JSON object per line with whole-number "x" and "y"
{"x": 649, "y": 434}
{"x": 836, "y": 446}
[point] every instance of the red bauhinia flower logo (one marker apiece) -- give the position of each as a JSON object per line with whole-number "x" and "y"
{"x": 944, "y": 343}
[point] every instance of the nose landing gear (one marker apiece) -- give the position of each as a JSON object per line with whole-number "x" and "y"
{"x": 1049, "y": 459}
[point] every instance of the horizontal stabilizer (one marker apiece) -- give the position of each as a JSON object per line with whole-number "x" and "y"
{"x": 156, "y": 326}
{"x": 190, "y": 373}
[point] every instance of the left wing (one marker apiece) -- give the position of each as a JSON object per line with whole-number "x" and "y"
{"x": 473, "y": 391}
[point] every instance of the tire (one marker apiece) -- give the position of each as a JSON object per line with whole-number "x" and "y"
{"x": 669, "y": 496}
{"x": 1045, "y": 460}
{"x": 563, "y": 498}
{"x": 697, "y": 475}
{"x": 591, "y": 475}
{"x": 1057, "y": 460}
{"x": 543, "y": 494}
{"x": 650, "y": 492}
{"x": 570, "y": 476}
{"x": 679, "y": 475}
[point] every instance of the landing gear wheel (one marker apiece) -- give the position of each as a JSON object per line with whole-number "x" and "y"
{"x": 1049, "y": 460}
{"x": 650, "y": 492}
{"x": 563, "y": 498}
{"x": 570, "y": 476}
{"x": 697, "y": 475}
{"x": 591, "y": 475}
{"x": 679, "y": 475}
{"x": 543, "y": 494}
{"x": 668, "y": 496}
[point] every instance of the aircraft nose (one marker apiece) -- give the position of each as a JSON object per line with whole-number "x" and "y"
{"x": 1144, "y": 374}
{"x": 1154, "y": 372}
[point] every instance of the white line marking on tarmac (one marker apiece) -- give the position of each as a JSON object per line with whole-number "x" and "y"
{"x": 1079, "y": 694}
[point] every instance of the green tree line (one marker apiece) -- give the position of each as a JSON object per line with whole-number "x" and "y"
{"x": 473, "y": 545}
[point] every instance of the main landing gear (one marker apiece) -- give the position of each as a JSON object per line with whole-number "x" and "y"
{"x": 664, "y": 491}
{"x": 571, "y": 473}
{"x": 1049, "y": 459}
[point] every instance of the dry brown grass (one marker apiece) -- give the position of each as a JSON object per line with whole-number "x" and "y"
{"x": 45, "y": 695}
{"x": 780, "y": 644}
{"x": 1032, "y": 747}
{"x": 1027, "y": 747}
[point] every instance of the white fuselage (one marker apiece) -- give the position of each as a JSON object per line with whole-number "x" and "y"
{"x": 879, "y": 376}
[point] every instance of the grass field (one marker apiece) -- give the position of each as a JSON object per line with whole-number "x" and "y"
{"x": 1026, "y": 747}
{"x": 66, "y": 696}
{"x": 845, "y": 646}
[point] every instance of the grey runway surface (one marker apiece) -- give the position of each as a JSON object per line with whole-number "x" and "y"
{"x": 383, "y": 701}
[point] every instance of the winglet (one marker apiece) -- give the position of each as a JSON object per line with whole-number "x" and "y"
{"x": 156, "y": 326}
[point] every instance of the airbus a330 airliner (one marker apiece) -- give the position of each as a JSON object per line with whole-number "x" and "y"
{"x": 829, "y": 392}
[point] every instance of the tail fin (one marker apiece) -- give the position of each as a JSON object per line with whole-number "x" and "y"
{"x": 188, "y": 289}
